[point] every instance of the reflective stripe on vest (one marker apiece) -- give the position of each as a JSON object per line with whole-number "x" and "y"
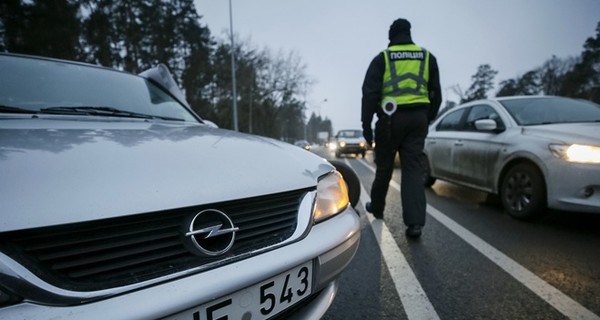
{"x": 406, "y": 74}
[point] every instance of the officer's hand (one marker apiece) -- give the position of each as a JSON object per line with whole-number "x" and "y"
{"x": 368, "y": 135}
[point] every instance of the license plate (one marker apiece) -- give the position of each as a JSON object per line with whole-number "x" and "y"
{"x": 260, "y": 301}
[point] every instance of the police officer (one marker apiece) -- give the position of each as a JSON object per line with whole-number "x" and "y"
{"x": 402, "y": 87}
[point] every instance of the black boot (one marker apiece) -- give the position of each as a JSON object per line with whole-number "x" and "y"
{"x": 414, "y": 231}
{"x": 377, "y": 215}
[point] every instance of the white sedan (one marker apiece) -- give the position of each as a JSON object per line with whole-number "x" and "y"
{"x": 536, "y": 152}
{"x": 120, "y": 202}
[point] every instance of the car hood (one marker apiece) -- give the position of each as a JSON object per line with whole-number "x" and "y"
{"x": 569, "y": 133}
{"x": 57, "y": 171}
{"x": 351, "y": 140}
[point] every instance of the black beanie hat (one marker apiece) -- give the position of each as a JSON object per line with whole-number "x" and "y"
{"x": 400, "y": 26}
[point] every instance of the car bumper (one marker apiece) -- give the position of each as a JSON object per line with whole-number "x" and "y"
{"x": 351, "y": 149}
{"x": 330, "y": 245}
{"x": 574, "y": 187}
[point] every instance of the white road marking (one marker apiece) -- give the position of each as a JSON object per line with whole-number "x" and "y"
{"x": 413, "y": 297}
{"x": 560, "y": 301}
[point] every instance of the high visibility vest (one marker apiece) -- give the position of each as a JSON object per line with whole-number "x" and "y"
{"x": 406, "y": 75}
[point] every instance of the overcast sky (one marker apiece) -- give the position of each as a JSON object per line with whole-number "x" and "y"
{"x": 337, "y": 39}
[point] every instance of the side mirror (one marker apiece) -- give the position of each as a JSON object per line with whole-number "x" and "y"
{"x": 210, "y": 123}
{"x": 486, "y": 125}
{"x": 161, "y": 75}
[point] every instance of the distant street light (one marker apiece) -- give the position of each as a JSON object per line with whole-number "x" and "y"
{"x": 235, "y": 118}
{"x": 319, "y": 105}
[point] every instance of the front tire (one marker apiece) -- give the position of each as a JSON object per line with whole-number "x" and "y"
{"x": 523, "y": 192}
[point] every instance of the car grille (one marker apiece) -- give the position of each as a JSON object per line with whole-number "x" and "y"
{"x": 122, "y": 251}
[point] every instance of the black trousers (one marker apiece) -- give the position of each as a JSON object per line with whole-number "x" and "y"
{"x": 404, "y": 132}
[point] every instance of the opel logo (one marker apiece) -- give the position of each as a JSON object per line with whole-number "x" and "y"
{"x": 210, "y": 232}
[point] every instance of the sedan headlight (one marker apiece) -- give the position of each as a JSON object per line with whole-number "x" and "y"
{"x": 332, "y": 196}
{"x": 576, "y": 153}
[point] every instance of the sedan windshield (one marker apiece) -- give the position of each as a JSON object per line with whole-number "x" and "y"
{"x": 549, "y": 110}
{"x": 49, "y": 86}
{"x": 350, "y": 134}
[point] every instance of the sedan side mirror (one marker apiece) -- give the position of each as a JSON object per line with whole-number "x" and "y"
{"x": 210, "y": 123}
{"x": 161, "y": 75}
{"x": 486, "y": 125}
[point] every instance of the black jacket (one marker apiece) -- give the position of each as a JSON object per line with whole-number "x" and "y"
{"x": 372, "y": 87}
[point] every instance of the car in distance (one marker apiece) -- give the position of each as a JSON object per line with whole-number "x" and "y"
{"x": 535, "y": 152}
{"x": 302, "y": 144}
{"x": 119, "y": 202}
{"x": 349, "y": 142}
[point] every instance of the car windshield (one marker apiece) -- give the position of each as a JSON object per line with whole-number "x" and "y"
{"x": 39, "y": 85}
{"x": 350, "y": 134}
{"x": 549, "y": 110}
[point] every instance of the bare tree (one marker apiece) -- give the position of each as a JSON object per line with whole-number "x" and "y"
{"x": 483, "y": 82}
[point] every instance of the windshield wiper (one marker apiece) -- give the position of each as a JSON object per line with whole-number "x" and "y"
{"x": 11, "y": 109}
{"x": 104, "y": 111}
{"x": 95, "y": 111}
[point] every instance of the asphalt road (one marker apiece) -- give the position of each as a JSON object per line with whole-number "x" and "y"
{"x": 472, "y": 262}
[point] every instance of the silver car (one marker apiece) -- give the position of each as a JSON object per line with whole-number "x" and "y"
{"x": 534, "y": 151}
{"x": 119, "y": 202}
{"x": 350, "y": 141}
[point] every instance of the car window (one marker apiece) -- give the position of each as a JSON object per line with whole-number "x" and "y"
{"x": 350, "y": 134}
{"x": 547, "y": 110}
{"x": 480, "y": 112}
{"x": 451, "y": 122}
{"x": 36, "y": 84}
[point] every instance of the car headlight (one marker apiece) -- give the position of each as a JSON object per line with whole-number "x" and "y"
{"x": 332, "y": 196}
{"x": 576, "y": 153}
{"x": 342, "y": 143}
{"x": 363, "y": 144}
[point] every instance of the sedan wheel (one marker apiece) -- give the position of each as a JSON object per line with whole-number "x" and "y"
{"x": 523, "y": 192}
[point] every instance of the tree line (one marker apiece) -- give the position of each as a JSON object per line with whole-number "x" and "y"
{"x": 577, "y": 77}
{"x": 134, "y": 35}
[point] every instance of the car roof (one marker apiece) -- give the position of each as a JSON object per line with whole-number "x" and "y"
{"x": 506, "y": 98}
{"x": 518, "y": 97}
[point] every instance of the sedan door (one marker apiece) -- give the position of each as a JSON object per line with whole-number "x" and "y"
{"x": 440, "y": 144}
{"x": 477, "y": 151}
